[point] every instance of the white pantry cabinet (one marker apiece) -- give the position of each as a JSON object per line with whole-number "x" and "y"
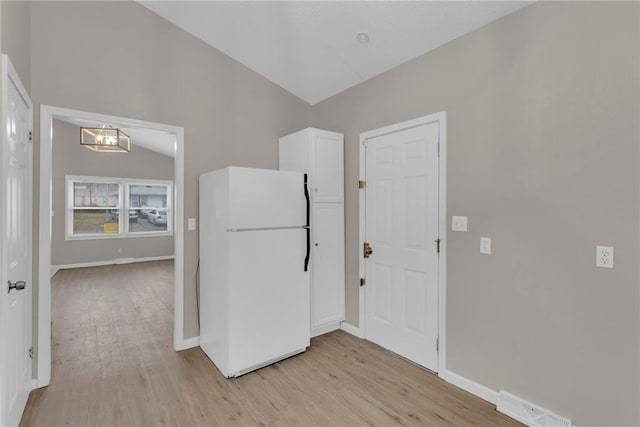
{"x": 320, "y": 154}
{"x": 327, "y": 265}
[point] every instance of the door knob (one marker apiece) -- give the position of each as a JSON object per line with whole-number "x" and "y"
{"x": 18, "y": 286}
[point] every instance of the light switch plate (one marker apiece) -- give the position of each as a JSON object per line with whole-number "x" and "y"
{"x": 191, "y": 224}
{"x": 604, "y": 256}
{"x": 458, "y": 223}
{"x": 485, "y": 245}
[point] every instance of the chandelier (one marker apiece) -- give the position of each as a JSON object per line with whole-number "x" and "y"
{"x": 105, "y": 139}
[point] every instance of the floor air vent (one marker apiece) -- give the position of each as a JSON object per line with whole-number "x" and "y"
{"x": 528, "y": 413}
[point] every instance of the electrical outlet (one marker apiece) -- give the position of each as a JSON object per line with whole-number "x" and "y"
{"x": 458, "y": 223}
{"x": 604, "y": 256}
{"x": 191, "y": 224}
{"x": 485, "y": 245}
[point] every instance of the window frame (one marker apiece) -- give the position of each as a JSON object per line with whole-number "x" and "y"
{"x": 123, "y": 208}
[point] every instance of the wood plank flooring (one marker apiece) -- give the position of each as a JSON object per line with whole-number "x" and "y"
{"x": 114, "y": 365}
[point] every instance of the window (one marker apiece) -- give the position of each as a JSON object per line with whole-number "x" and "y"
{"x": 148, "y": 210}
{"x": 96, "y": 207}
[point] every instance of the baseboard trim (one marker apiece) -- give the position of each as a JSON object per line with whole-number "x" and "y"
{"x": 53, "y": 271}
{"x": 188, "y": 343}
{"x": 55, "y": 268}
{"x": 472, "y": 387}
{"x": 350, "y": 329}
{"x": 325, "y": 329}
{"x": 39, "y": 383}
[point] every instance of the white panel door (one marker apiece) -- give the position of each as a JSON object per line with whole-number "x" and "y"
{"x": 402, "y": 227}
{"x": 328, "y": 166}
{"x": 16, "y": 217}
{"x": 327, "y": 266}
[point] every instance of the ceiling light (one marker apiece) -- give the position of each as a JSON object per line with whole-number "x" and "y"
{"x": 105, "y": 139}
{"x": 362, "y": 37}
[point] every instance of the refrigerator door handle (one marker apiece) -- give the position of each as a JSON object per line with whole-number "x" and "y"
{"x": 306, "y": 195}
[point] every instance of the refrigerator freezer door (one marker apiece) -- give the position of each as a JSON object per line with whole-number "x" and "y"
{"x": 269, "y": 297}
{"x": 262, "y": 198}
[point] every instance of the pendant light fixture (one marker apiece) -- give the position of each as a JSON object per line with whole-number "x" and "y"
{"x": 105, "y": 139}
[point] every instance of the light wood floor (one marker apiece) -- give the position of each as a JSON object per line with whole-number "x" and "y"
{"x": 114, "y": 365}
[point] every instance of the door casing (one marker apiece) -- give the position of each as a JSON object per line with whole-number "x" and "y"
{"x": 47, "y": 114}
{"x": 442, "y": 221}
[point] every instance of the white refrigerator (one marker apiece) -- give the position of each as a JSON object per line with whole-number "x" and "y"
{"x": 254, "y": 261}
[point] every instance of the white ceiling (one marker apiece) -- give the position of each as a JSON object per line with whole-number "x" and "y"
{"x": 310, "y": 48}
{"x": 151, "y": 139}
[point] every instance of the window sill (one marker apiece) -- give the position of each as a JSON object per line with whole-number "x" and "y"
{"x": 138, "y": 235}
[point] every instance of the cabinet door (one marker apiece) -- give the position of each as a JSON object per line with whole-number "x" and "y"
{"x": 327, "y": 269}
{"x": 328, "y": 169}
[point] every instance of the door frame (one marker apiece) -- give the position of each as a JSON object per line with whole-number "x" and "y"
{"x": 7, "y": 69}
{"x": 47, "y": 114}
{"x": 440, "y": 118}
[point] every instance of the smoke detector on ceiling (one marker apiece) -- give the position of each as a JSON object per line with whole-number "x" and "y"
{"x": 362, "y": 37}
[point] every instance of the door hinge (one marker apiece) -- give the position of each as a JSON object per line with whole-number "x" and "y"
{"x": 438, "y": 147}
{"x": 31, "y": 352}
{"x": 437, "y": 242}
{"x": 30, "y": 135}
{"x": 438, "y": 344}
{"x": 363, "y": 281}
{"x": 361, "y": 184}
{"x": 366, "y": 250}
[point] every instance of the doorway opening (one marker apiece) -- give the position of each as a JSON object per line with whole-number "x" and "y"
{"x": 122, "y": 219}
{"x": 403, "y": 239}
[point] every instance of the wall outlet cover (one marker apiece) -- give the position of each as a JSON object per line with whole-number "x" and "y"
{"x": 458, "y": 223}
{"x": 604, "y": 256}
{"x": 485, "y": 245}
{"x": 191, "y": 224}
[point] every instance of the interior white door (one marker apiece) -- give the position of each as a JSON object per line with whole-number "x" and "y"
{"x": 401, "y": 311}
{"x": 15, "y": 236}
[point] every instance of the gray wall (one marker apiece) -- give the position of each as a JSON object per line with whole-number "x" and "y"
{"x": 230, "y": 114}
{"x": 15, "y": 37}
{"x": 542, "y": 110}
{"x": 69, "y": 158}
{"x": 543, "y": 156}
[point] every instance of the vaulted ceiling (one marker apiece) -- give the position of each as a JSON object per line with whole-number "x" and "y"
{"x": 312, "y": 49}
